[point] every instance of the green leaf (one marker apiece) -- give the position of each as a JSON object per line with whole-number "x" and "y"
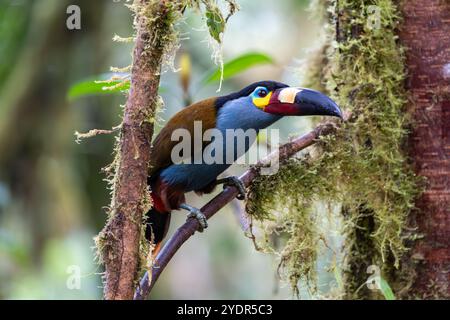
{"x": 215, "y": 22}
{"x": 386, "y": 290}
{"x": 90, "y": 86}
{"x": 238, "y": 65}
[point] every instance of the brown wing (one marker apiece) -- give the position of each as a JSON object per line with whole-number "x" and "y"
{"x": 204, "y": 111}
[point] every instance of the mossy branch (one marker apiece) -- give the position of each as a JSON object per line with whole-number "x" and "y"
{"x": 188, "y": 229}
{"x": 156, "y": 42}
{"x": 119, "y": 241}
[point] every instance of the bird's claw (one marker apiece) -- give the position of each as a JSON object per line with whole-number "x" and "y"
{"x": 196, "y": 214}
{"x": 235, "y": 182}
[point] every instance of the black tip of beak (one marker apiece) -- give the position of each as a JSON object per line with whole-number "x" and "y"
{"x": 315, "y": 103}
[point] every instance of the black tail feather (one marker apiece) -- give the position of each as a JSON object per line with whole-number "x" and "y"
{"x": 158, "y": 223}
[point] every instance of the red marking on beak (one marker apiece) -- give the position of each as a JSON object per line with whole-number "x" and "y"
{"x": 280, "y": 108}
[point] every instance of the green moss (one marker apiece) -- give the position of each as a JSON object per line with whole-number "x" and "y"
{"x": 362, "y": 166}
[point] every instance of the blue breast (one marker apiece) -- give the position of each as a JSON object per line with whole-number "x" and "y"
{"x": 235, "y": 114}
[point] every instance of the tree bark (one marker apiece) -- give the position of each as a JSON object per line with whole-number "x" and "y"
{"x": 426, "y": 35}
{"x": 121, "y": 236}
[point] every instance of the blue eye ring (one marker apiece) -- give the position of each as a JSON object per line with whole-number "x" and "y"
{"x": 261, "y": 92}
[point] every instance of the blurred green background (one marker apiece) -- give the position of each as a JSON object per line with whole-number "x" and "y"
{"x": 52, "y": 191}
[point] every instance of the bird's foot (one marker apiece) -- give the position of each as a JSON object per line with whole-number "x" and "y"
{"x": 235, "y": 182}
{"x": 197, "y": 214}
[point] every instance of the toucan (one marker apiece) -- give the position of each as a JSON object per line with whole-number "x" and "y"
{"x": 255, "y": 107}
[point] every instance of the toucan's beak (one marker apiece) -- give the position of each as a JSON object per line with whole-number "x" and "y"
{"x": 301, "y": 102}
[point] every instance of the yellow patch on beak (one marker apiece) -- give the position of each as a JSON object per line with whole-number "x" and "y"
{"x": 261, "y": 103}
{"x": 288, "y": 95}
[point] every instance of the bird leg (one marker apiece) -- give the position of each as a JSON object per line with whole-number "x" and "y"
{"x": 235, "y": 182}
{"x": 197, "y": 214}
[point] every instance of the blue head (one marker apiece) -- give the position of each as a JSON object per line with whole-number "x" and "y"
{"x": 267, "y": 101}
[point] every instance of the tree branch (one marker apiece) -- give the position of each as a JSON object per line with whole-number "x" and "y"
{"x": 184, "y": 232}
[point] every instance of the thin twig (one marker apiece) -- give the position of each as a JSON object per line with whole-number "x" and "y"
{"x": 80, "y": 136}
{"x": 184, "y": 232}
{"x": 241, "y": 215}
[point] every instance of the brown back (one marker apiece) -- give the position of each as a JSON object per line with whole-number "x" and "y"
{"x": 204, "y": 111}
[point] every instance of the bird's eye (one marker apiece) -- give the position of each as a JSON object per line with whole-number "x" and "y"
{"x": 262, "y": 93}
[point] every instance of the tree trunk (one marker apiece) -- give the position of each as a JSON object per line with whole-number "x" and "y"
{"x": 426, "y": 35}
{"x": 119, "y": 242}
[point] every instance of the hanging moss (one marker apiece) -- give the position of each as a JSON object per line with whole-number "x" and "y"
{"x": 287, "y": 198}
{"x": 362, "y": 166}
